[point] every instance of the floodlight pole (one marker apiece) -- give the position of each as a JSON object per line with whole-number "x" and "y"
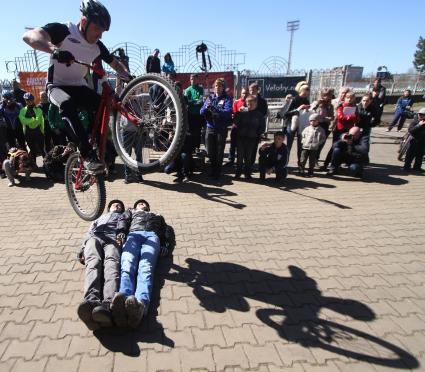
{"x": 291, "y": 26}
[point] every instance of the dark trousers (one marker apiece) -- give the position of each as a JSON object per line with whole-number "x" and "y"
{"x": 254, "y": 152}
{"x": 215, "y": 140}
{"x": 399, "y": 118}
{"x": 69, "y": 99}
{"x": 311, "y": 155}
{"x": 415, "y": 151}
{"x": 266, "y": 162}
{"x": 102, "y": 270}
{"x": 35, "y": 141}
{"x": 233, "y": 144}
{"x": 336, "y": 136}
{"x": 246, "y": 146}
{"x": 339, "y": 157}
{"x": 15, "y": 135}
{"x": 196, "y": 123}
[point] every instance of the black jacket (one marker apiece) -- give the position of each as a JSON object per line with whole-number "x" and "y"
{"x": 357, "y": 151}
{"x": 262, "y": 105}
{"x": 367, "y": 117}
{"x": 417, "y": 131}
{"x": 153, "y": 64}
{"x": 139, "y": 220}
{"x": 273, "y": 155}
{"x": 250, "y": 124}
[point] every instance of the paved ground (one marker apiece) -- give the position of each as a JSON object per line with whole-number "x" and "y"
{"x": 317, "y": 275}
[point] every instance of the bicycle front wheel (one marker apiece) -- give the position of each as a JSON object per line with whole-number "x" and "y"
{"x": 403, "y": 147}
{"x": 86, "y": 191}
{"x": 162, "y": 123}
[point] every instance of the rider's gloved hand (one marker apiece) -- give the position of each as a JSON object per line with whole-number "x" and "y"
{"x": 63, "y": 56}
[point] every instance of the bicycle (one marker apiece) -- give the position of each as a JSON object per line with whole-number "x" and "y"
{"x": 149, "y": 125}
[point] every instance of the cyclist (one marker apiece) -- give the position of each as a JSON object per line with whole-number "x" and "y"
{"x": 66, "y": 84}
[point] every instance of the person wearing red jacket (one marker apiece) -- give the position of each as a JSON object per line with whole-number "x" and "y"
{"x": 238, "y": 106}
{"x": 347, "y": 115}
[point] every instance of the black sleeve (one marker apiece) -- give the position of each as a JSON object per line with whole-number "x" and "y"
{"x": 104, "y": 53}
{"x": 57, "y": 32}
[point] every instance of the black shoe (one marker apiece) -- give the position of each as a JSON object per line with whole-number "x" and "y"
{"x": 102, "y": 314}
{"x": 262, "y": 176}
{"x": 310, "y": 173}
{"x": 248, "y": 177}
{"x": 84, "y": 311}
{"x": 237, "y": 176}
{"x": 2, "y": 175}
{"x": 135, "y": 310}
{"x": 119, "y": 313}
{"x": 178, "y": 179}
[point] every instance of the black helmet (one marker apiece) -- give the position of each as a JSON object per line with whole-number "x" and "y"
{"x": 116, "y": 201}
{"x": 28, "y": 96}
{"x": 96, "y": 12}
{"x": 8, "y": 95}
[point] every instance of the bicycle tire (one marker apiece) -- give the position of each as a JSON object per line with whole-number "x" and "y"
{"x": 96, "y": 198}
{"x": 403, "y": 147}
{"x": 343, "y": 340}
{"x": 179, "y": 127}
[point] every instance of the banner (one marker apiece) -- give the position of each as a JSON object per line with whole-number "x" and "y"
{"x": 276, "y": 87}
{"x": 206, "y": 80}
{"x": 34, "y": 82}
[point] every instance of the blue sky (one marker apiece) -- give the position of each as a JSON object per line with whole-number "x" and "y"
{"x": 332, "y": 33}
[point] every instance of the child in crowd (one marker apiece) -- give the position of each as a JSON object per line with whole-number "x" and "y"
{"x": 312, "y": 137}
{"x": 273, "y": 157}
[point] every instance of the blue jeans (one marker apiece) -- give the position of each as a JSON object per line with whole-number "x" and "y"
{"x": 138, "y": 261}
{"x": 400, "y": 118}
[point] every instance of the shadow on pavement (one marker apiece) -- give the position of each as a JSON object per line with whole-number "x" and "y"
{"x": 35, "y": 182}
{"x": 151, "y": 331}
{"x": 215, "y": 194}
{"x": 292, "y": 308}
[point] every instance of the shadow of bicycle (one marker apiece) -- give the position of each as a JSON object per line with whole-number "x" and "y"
{"x": 297, "y": 300}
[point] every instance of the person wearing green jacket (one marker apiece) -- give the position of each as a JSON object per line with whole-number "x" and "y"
{"x": 194, "y": 96}
{"x": 32, "y": 120}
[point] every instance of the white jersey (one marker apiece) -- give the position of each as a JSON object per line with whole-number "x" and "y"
{"x": 68, "y": 37}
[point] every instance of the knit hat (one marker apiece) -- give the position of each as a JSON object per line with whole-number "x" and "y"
{"x": 142, "y": 201}
{"x": 314, "y": 117}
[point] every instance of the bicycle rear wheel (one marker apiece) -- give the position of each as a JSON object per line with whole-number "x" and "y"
{"x": 86, "y": 192}
{"x": 158, "y": 137}
{"x": 403, "y": 147}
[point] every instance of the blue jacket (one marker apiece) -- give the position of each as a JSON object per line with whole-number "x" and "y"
{"x": 11, "y": 115}
{"x": 403, "y": 102}
{"x": 219, "y": 114}
{"x": 168, "y": 68}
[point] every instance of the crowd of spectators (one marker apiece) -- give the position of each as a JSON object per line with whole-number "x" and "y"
{"x": 28, "y": 131}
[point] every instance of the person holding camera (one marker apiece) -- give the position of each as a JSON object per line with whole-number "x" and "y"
{"x": 250, "y": 125}
{"x": 403, "y": 106}
{"x": 352, "y": 149}
{"x": 217, "y": 110}
{"x": 416, "y": 147}
{"x": 17, "y": 161}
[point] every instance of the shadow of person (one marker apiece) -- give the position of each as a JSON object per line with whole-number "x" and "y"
{"x": 220, "y": 286}
{"x": 35, "y": 182}
{"x": 215, "y": 194}
{"x": 126, "y": 340}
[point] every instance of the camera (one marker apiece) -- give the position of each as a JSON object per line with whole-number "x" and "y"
{"x": 348, "y": 137}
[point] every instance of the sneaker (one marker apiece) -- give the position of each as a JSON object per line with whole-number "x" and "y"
{"x": 118, "y": 310}
{"x": 102, "y": 314}
{"x": 135, "y": 310}
{"x": 84, "y": 311}
{"x": 93, "y": 164}
{"x": 310, "y": 173}
{"x": 11, "y": 183}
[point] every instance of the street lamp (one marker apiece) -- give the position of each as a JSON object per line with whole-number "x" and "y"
{"x": 291, "y": 26}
